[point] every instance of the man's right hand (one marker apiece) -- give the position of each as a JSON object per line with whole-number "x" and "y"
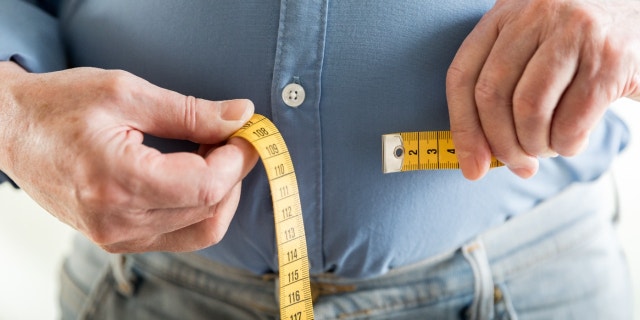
{"x": 73, "y": 141}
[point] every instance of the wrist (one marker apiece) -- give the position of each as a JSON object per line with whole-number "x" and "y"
{"x": 9, "y": 72}
{"x": 10, "y": 67}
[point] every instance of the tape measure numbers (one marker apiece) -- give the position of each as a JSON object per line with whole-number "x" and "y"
{"x": 405, "y": 151}
{"x": 422, "y": 150}
{"x": 293, "y": 262}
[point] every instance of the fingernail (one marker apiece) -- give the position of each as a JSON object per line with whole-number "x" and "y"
{"x": 526, "y": 171}
{"x": 235, "y": 110}
{"x": 548, "y": 154}
{"x": 522, "y": 172}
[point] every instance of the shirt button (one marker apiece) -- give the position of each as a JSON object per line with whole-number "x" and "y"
{"x": 293, "y": 95}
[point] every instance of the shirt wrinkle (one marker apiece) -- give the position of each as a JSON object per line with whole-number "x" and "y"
{"x": 368, "y": 68}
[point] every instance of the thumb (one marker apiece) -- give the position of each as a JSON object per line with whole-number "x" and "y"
{"x": 168, "y": 114}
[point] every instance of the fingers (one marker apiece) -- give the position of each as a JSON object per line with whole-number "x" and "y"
{"x": 532, "y": 79}
{"x": 149, "y": 195}
{"x": 163, "y": 193}
{"x": 201, "y": 234}
{"x": 480, "y": 85}
{"x": 472, "y": 148}
{"x": 580, "y": 108}
{"x": 168, "y": 114}
{"x": 205, "y": 198}
{"x": 202, "y": 121}
{"x": 116, "y": 190}
{"x": 183, "y": 180}
{"x": 494, "y": 92}
{"x": 548, "y": 74}
{"x": 197, "y": 120}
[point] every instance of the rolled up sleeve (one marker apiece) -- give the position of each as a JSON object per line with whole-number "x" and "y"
{"x": 4, "y": 178}
{"x": 29, "y": 36}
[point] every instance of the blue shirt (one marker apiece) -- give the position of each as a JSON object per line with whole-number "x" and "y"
{"x": 368, "y": 68}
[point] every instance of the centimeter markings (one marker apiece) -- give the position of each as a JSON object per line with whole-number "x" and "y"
{"x": 405, "y": 151}
{"x": 421, "y": 150}
{"x": 293, "y": 262}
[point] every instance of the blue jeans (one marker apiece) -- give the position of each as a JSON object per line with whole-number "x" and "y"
{"x": 559, "y": 261}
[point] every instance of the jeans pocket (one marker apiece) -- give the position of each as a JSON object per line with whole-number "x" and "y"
{"x": 586, "y": 281}
{"x": 93, "y": 289}
{"x": 80, "y": 300}
{"x": 71, "y": 295}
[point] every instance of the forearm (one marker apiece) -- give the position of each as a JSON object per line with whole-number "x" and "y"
{"x": 29, "y": 41}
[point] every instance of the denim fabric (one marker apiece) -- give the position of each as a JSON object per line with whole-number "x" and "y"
{"x": 559, "y": 261}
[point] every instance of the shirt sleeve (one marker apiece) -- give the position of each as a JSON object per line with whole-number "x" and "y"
{"x": 29, "y": 36}
{"x": 4, "y": 178}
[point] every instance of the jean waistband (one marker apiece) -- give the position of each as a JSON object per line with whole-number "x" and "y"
{"x": 552, "y": 226}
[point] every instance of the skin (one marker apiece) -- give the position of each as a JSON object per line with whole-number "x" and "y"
{"x": 73, "y": 141}
{"x": 531, "y": 80}
{"x": 534, "y": 77}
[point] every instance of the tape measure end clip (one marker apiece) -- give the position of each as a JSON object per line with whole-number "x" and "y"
{"x": 392, "y": 153}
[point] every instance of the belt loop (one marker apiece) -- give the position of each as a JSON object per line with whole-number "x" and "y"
{"x": 276, "y": 283}
{"x": 483, "y": 304}
{"x": 125, "y": 280}
{"x": 615, "y": 194}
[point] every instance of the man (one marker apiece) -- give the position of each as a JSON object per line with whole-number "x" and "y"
{"x": 522, "y": 80}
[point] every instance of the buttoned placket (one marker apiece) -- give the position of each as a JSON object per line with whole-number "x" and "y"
{"x": 295, "y": 106}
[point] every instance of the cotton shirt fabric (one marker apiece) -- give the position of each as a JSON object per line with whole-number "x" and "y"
{"x": 367, "y": 68}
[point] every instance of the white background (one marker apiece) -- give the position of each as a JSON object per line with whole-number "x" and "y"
{"x": 32, "y": 242}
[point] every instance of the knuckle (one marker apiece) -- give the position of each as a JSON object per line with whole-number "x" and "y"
{"x": 213, "y": 238}
{"x": 98, "y": 205}
{"x": 116, "y": 84}
{"x": 113, "y": 249}
{"x": 90, "y": 196}
{"x": 503, "y": 155}
{"x": 101, "y": 234}
{"x": 506, "y": 152}
{"x": 101, "y": 196}
{"x": 536, "y": 149}
{"x": 190, "y": 114}
{"x": 466, "y": 137}
{"x": 569, "y": 140}
{"x": 527, "y": 106}
{"x": 456, "y": 76}
{"x": 585, "y": 19}
{"x": 463, "y": 132}
{"x": 130, "y": 246}
{"x": 213, "y": 229}
{"x": 571, "y": 131}
{"x": 488, "y": 94}
{"x": 212, "y": 193}
{"x": 614, "y": 52}
{"x": 529, "y": 146}
{"x": 116, "y": 80}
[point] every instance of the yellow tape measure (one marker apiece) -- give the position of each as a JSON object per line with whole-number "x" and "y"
{"x": 293, "y": 262}
{"x": 423, "y": 150}
{"x": 405, "y": 151}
